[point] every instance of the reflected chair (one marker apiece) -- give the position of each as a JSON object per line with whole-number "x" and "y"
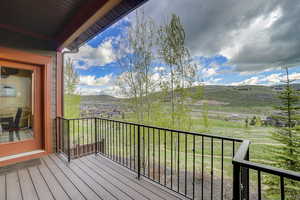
{"x": 13, "y": 126}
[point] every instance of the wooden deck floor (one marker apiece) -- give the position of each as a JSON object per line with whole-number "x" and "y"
{"x": 91, "y": 177}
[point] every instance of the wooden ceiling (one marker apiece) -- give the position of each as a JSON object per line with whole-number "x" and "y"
{"x": 57, "y": 24}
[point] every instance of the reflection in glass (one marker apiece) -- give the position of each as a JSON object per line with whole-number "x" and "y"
{"x": 16, "y": 100}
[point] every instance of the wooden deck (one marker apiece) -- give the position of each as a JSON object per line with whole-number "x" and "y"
{"x": 91, "y": 177}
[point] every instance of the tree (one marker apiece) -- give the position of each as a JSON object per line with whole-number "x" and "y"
{"x": 181, "y": 72}
{"x": 135, "y": 55}
{"x": 179, "y": 76}
{"x": 71, "y": 77}
{"x": 287, "y": 155}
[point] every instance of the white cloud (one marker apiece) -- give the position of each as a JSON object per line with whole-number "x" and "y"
{"x": 93, "y": 81}
{"x": 110, "y": 90}
{"x": 207, "y": 72}
{"x": 250, "y": 81}
{"x": 273, "y": 79}
{"x": 213, "y": 81}
{"x": 98, "y": 56}
{"x": 295, "y": 76}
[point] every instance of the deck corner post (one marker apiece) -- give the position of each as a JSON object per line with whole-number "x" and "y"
{"x": 236, "y": 182}
{"x": 245, "y": 179}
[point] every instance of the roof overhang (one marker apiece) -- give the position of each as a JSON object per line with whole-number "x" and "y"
{"x": 58, "y": 24}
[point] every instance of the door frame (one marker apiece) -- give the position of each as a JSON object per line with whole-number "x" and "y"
{"x": 35, "y": 143}
{"x": 24, "y": 57}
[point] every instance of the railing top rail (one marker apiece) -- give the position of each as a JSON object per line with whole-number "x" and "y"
{"x": 76, "y": 118}
{"x": 269, "y": 169}
{"x": 164, "y": 129}
{"x": 241, "y": 154}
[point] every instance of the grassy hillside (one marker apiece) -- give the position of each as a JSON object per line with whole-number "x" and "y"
{"x": 230, "y": 96}
{"x": 241, "y": 95}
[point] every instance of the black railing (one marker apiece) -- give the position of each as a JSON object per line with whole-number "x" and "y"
{"x": 198, "y": 166}
{"x": 77, "y": 137}
{"x": 242, "y": 166}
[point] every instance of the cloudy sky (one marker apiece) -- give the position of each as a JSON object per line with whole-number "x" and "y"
{"x": 235, "y": 42}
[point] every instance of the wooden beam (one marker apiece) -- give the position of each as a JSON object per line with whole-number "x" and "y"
{"x": 25, "y": 32}
{"x": 85, "y": 17}
{"x": 23, "y": 56}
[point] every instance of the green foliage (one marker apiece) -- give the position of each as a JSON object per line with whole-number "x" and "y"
{"x": 253, "y": 121}
{"x": 180, "y": 72}
{"x": 205, "y": 115}
{"x": 287, "y": 155}
{"x": 72, "y": 106}
{"x": 71, "y": 78}
{"x": 135, "y": 54}
{"x": 258, "y": 121}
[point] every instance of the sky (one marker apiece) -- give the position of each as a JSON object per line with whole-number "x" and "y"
{"x": 234, "y": 42}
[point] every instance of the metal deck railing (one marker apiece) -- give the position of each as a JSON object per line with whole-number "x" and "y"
{"x": 195, "y": 165}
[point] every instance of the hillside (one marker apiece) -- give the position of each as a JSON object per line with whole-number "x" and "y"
{"x": 100, "y": 99}
{"x": 248, "y": 95}
{"x": 242, "y": 95}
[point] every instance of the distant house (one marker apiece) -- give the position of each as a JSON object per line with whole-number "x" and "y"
{"x": 277, "y": 88}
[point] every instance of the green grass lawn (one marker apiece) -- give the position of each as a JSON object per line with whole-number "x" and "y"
{"x": 72, "y": 106}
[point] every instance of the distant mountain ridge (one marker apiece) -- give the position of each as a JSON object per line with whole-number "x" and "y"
{"x": 102, "y": 98}
{"x": 245, "y": 95}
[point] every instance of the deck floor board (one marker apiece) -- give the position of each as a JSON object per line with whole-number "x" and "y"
{"x": 65, "y": 183}
{"x": 13, "y": 189}
{"x": 29, "y": 192}
{"x": 2, "y": 187}
{"x": 87, "y": 178}
{"x": 55, "y": 187}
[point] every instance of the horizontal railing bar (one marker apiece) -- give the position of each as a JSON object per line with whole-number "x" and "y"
{"x": 83, "y": 118}
{"x": 269, "y": 169}
{"x": 241, "y": 154}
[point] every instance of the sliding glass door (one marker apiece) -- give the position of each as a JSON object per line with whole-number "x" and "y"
{"x": 20, "y": 108}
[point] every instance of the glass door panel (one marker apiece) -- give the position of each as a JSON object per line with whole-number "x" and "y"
{"x": 17, "y": 98}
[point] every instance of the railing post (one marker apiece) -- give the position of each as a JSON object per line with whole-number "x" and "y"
{"x": 69, "y": 141}
{"x": 139, "y": 152}
{"x": 96, "y": 137}
{"x": 245, "y": 180}
{"x": 236, "y": 182}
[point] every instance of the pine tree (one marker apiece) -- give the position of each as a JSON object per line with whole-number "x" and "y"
{"x": 286, "y": 155}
